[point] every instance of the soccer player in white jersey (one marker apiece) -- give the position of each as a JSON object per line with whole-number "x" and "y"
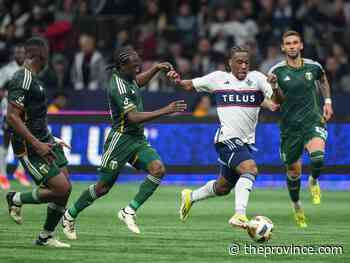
{"x": 239, "y": 95}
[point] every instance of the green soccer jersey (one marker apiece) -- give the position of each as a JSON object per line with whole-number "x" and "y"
{"x": 301, "y": 106}
{"x": 123, "y": 97}
{"x": 27, "y": 92}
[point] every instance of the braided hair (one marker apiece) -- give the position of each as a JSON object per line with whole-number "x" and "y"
{"x": 231, "y": 53}
{"x": 121, "y": 57}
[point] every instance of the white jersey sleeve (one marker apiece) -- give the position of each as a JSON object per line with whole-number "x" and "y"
{"x": 263, "y": 85}
{"x": 207, "y": 83}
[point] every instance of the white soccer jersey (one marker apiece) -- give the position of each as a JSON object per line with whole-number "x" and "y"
{"x": 238, "y": 102}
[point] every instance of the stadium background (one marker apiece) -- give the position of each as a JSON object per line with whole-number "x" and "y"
{"x": 195, "y": 37}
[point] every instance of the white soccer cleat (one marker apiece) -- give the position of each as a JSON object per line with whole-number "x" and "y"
{"x": 129, "y": 220}
{"x": 15, "y": 211}
{"x": 69, "y": 228}
{"x": 50, "y": 242}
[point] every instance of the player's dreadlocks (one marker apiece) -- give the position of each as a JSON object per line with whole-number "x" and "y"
{"x": 121, "y": 56}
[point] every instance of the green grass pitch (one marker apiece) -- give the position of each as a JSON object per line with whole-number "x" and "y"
{"x": 205, "y": 237}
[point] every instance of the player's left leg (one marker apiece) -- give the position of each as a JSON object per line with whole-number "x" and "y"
{"x": 147, "y": 159}
{"x": 219, "y": 187}
{"x": 316, "y": 148}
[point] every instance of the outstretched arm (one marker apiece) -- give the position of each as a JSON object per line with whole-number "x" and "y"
{"x": 143, "y": 78}
{"x": 139, "y": 117}
{"x": 184, "y": 84}
{"x": 326, "y": 93}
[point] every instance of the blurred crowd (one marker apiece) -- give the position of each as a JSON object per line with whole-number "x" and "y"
{"x": 194, "y": 35}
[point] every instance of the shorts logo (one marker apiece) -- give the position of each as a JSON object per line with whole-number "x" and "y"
{"x": 44, "y": 169}
{"x": 126, "y": 101}
{"x": 308, "y": 75}
{"x": 322, "y": 132}
{"x": 113, "y": 165}
{"x": 239, "y": 142}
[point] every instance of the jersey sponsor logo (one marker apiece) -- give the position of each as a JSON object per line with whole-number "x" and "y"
{"x": 308, "y": 75}
{"x": 243, "y": 98}
{"x": 287, "y": 78}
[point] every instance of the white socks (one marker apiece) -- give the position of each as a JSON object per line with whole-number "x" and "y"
{"x": 17, "y": 198}
{"x": 243, "y": 188}
{"x": 206, "y": 191}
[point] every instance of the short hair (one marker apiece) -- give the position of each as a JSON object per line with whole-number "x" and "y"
{"x": 237, "y": 49}
{"x": 291, "y": 33}
{"x": 121, "y": 56}
{"x": 36, "y": 42}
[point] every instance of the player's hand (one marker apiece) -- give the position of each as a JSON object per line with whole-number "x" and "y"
{"x": 165, "y": 66}
{"x": 271, "y": 105}
{"x": 272, "y": 79}
{"x": 173, "y": 76}
{"x": 327, "y": 111}
{"x": 62, "y": 143}
{"x": 45, "y": 151}
{"x": 176, "y": 106}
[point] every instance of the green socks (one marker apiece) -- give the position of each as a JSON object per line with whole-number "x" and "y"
{"x": 293, "y": 184}
{"x": 317, "y": 160}
{"x": 53, "y": 217}
{"x": 85, "y": 200}
{"x": 146, "y": 189}
{"x": 31, "y": 197}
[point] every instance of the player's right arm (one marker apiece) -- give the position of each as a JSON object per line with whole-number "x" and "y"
{"x": 17, "y": 97}
{"x": 126, "y": 104}
{"x": 135, "y": 116}
{"x": 202, "y": 84}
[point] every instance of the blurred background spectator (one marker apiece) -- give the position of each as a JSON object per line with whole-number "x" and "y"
{"x": 203, "y": 106}
{"x": 194, "y": 35}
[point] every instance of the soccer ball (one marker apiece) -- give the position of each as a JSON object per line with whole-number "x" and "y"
{"x": 260, "y": 228}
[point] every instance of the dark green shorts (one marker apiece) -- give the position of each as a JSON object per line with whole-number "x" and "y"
{"x": 39, "y": 170}
{"x": 122, "y": 148}
{"x": 293, "y": 142}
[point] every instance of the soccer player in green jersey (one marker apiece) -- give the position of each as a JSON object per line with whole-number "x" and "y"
{"x": 40, "y": 154}
{"x": 126, "y": 141}
{"x": 303, "y": 124}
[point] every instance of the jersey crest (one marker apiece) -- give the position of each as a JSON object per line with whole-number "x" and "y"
{"x": 308, "y": 75}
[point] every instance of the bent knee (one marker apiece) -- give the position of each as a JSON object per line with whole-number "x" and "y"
{"x": 222, "y": 190}
{"x": 248, "y": 167}
{"x": 102, "y": 189}
{"x": 157, "y": 169}
{"x": 294, "y": 170}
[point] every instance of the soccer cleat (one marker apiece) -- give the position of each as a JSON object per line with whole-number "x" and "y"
{"x": 129, "y": 220}
{"x": 300, "y": 218}
{"x": 21, "y": 177}
{"x": 50, "y": 242}
{"x": 238, "y": 220}
{"x": 14, "y": 210}
{"x": 69, "y": 228}
{"x": 315, "y": 191}
{"x": 186, "y": 204}
{"x": 4, "y": 182}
